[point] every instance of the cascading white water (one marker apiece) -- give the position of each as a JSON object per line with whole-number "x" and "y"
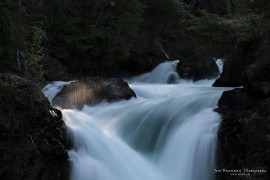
{"x": 167, "y": 133}
{"x": 51, "y": 90}
{"x": 219, "y": 63}
{"x": 163, "y": 73}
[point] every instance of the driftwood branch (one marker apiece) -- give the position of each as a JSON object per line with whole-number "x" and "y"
{"x": 34, "y": 143}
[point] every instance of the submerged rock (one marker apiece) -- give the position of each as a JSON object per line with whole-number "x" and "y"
{"x": 92, "y": 91}
{"x": 33, "y": 139}
{"x": 244, "y": 135}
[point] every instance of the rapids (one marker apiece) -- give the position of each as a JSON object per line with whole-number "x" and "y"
{"x": 169, "y": 132}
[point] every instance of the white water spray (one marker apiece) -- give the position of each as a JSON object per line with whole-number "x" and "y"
{"x": 163, "y": 73}
{"x": 51, "y": 90}
{"x": 219, "y": 63}
{"x": 167, "y": 133}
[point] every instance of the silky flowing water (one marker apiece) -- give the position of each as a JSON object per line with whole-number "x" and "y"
{"x": 169, "y": 132}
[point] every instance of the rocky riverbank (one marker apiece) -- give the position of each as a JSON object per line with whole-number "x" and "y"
{"x": 33, "y": 136}
{"x": 244, "y": 135}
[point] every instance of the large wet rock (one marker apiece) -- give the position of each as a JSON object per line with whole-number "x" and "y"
{"x": 232, "y": 75}
{"x": 92, "y": 91}
{"x": 244, "y": 135}
{"x": 248, "y": 63}
{"x": 254, "y": 76}
{"x": 197, "y": 69}
{"x": 33, "y": 139}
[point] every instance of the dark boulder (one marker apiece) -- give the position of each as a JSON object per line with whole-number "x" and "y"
{"x": 238, "y": 72}
{"x": 246, "y": 64}
{"x": 232, "y": 75}
{"x": 197, "y": 69}
{"x": 243, "y": 137}
{"x": 92, "y": 91}
{"x": 33, "y": 139}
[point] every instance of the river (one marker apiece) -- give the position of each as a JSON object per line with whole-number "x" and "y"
{"x": 169, "y": 132}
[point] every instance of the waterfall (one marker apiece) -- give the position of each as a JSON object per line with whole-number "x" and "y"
{"x": 163, "y": 73}
{"x": 219, "y": 63}
{"x": 169, "y": 132}
{"x": 51, "y": 90}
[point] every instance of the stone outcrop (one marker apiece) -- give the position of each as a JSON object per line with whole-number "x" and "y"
{"x": 244, "y": 135}
{"x": 92, "y": 91}
{"x": 197, "y": 69}
{"x": 232, "y": 75}
{"x": 33, "y": 139}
